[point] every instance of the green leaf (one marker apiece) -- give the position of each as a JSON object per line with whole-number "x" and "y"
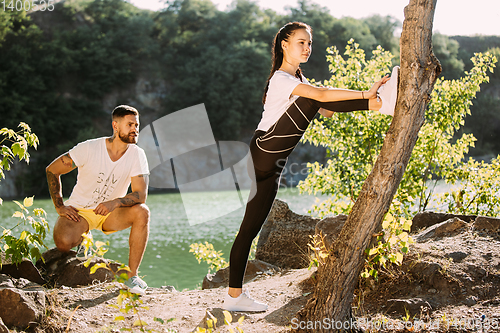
{"x": 399, "y": 258}
{"x": 139, "y": 323}
{"x": 20, "y": 206}
{"x": 94, "y": 268}
{"x": 28, "y": 202}
{"x": 18, "y": 150}
{"x": 385, "y": 224}
{"x": 18, "y": 214}
{"x": 159, "y": 320}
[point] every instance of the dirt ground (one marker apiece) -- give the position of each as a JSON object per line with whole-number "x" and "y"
{"x": 448, "y": 284}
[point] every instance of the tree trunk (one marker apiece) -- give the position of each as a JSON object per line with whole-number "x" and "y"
{"x": 333, "y": 296}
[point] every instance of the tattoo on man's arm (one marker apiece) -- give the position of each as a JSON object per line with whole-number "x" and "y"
{"x": 66, "y": 162}
{"x": 130, "y": 199}
{"x": 55, "y": 189}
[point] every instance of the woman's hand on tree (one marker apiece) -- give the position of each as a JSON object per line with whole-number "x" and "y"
{"x": 372, "y": 93}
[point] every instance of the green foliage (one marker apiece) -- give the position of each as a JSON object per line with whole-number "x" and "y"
{"x": 20, "y": 141}
{"x": 484, "y": 123}
{"x": 383, "y": 28}
{"x": 353, "y": 141}
{"x": 392, "y": 243}
{"x": 7, "y": 21}
{"x": 31, "y": 239}
{"x": 206, "y": 252}
{"x": 225, "y": 61}
{"x": 446, "y": 50}
{"x": 34, "y": 225}
{"x": 317, "y": 251}
{"x": 477, "y": 193}
{"x": 58, "y": 75}
{"x": 211, "y": 323}
{"x": 437, "y": 153}
{"x": 473, "y": 44}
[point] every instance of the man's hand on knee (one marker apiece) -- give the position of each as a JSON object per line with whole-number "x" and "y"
{"x": 69, "y": 212}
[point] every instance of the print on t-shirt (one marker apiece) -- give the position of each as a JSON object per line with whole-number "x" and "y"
{"x": 100, "y": 179}
{"x": 102, "y": 192}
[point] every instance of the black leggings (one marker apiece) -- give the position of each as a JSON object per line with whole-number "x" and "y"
{"x": 268, "y": 149}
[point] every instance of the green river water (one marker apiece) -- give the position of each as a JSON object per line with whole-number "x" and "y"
{"x": 167, "y": 260}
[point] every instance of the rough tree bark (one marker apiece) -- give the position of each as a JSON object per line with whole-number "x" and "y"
{"x": 419, "y": 70}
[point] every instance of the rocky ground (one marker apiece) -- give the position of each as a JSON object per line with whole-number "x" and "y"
{"x": 450, "y": 282}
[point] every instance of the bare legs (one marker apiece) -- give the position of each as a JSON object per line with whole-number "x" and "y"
{"x": 68, "y": 234}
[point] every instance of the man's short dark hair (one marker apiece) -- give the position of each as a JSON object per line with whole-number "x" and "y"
{"x": 123, "y": 110}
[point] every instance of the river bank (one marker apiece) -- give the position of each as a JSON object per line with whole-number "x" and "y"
{"x": 450, "y": 282}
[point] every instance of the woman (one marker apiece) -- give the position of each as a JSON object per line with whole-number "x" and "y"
{"x": 290, "y": 104}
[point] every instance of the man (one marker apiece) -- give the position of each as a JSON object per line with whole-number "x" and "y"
{"x": 99, "y": 200}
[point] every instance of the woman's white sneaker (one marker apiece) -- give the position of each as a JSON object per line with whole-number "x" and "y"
{"x": 243, "y": 303}
{"x": 388, "y": 93}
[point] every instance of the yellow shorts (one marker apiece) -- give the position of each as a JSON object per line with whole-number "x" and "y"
{"x": 95, "y": 221}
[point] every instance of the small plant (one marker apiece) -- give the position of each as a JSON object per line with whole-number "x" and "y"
{"x": 318, "y": 251}
{"x": 206, "y": 252}
{"x": 228, "y": 321}
{"x": 126, "y": 301}
{"x": 392, "y": 243}
{"x": 32, "y": 237}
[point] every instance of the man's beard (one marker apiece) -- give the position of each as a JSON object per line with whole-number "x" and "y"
{"x": 127, "y": 138}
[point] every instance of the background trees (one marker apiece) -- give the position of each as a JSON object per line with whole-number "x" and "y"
{"x": 63, "y": 71}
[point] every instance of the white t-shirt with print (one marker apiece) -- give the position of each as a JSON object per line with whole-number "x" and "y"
{"x": 279, "y": 97}
{"x": 99, "y": 178}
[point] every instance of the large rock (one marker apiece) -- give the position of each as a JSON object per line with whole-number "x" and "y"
{"x": 284, "y": 237}
{"x": 25, "y": 269}
{"x": 449, "y": 227}
{"x": 21, "y": 302}
{"x": 254, "y": 269}
{"x": 487, "y": 223}
{"x": 431, "y": 274}
{"x": 426, "y": 271}
{"x": 330, "y": 228}
{"x": 427, "y": 219}
{"x": 64, "y": 269}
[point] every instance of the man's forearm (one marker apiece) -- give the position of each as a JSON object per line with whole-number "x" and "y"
{"x": 130, "y": 199}
{"x": 54, "y": 182}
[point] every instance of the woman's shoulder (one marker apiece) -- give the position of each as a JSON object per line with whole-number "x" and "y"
{"x": 282, "y": 76}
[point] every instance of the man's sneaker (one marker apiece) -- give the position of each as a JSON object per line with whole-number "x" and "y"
{"x": 243, "y": 303}
{"x": 388, "y": 93}
{"x": 136, "y": 285}
{"x": 81, "y": 251}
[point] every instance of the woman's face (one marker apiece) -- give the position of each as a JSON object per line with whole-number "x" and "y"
{"x": 298, "y": 48}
